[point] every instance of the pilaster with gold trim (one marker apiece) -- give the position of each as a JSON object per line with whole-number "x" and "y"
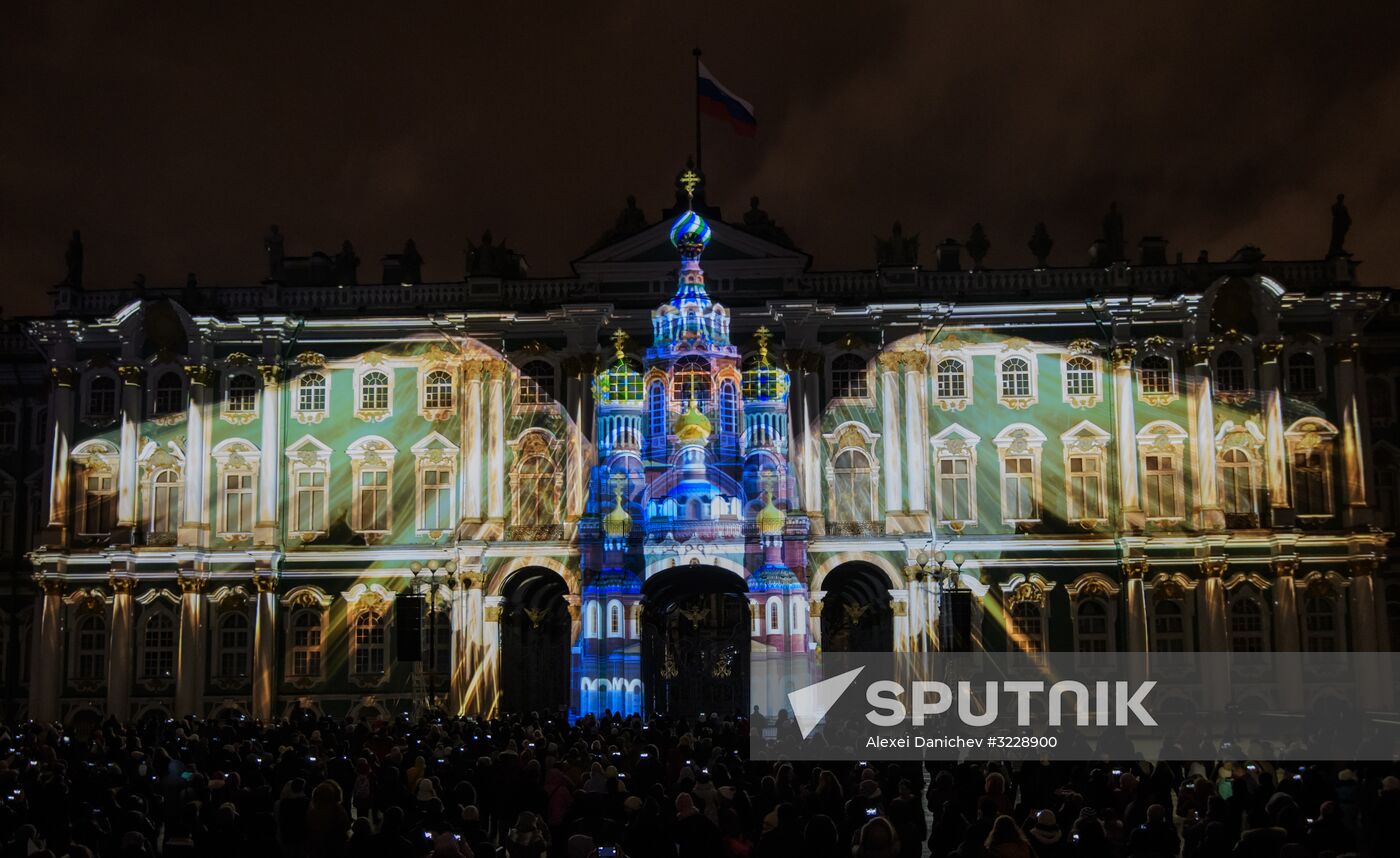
{"x": 120, "y": 641}
{"x": 265, "y": 669}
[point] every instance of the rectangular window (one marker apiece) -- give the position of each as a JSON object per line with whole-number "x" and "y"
{"x": 238, "y": 503}
{"x": 1020, "y": 489}
{"x": 955, "y": 489}
{"x": 374, "y": 500}
{"x": 437, "y": 499}
{"x": 310, "y": 502}
{"x": 1310, "y": 478}
{"x": 369, "y": 645}
{"x": 99, "y": 504}
{"x": 1159, "y": 497}
{"x": 1085, "y": 488}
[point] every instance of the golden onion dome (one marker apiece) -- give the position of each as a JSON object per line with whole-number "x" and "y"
{"x": 617, "y": 522}
{"x": 771, "y": 520}
{"x": 692, "y": 426}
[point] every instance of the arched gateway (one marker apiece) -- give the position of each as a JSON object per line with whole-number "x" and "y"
{"x": 695, "y": 642}
{"x": 535, "y": 642}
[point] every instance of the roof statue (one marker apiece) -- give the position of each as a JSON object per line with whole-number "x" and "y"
{"x": 494, "y": 260}
{"x": 347, "y": 264}
{"x": 273, "y": 246}
{"x": 760, "y": 223}
{"x": 1341, "y": 222}
{"x": 1113, "y": 245}
{"x": 630, "y": 221}
{"x": 411, "y": 263}
{"x": 1040, "y": 245}
{"x": 978, "y": 245}
{"x": 897, "y": 249}
{"x": 73, "y": 260}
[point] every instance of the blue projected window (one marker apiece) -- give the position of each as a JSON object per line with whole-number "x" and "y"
{"x": 728, "y": 408}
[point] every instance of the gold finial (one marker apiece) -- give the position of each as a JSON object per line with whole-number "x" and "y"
{"x": 619, "y": 339}
{"x": 619, "y": 485}
{"x": 690, "y": 180}
{"x": 763, "y": 335}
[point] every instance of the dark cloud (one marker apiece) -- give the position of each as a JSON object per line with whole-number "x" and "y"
{"x": 173, "y": 137}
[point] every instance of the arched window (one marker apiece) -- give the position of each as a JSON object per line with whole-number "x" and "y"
{"x": 369, "y": 650}
{"x": 311, "y": 392}
{"x": 849, "y": 379}
{"x": 1027, "y": 627}
{"x": 1091, "y": 631}
{"x": 170, "y": 393}
{"x": 536, "y": 384}
{"x": 242, "y": 394}
{"x": 165, "y": 501}
{"x": 102, "y": 396}
{"x": 437, "y": 389}
{"x": 728, "y": 408}
{"x": 775, "y": 616}
{"x": 536, "y": 492}
{"x": 437, "y": 641}
{"x": 590, "y": 620}
{"x": 306, "y": 643}
{"x": 1302, "y": 373}
{"x": 1229, "y": 372}
{"x": 1169, "y": 626}
{"x": 9, "y": 428}
{"x": 374, "y": 391}
{"x": 1015, "y": 378}
{"x": 952, "y": 379}
{"x": 91, "y": 661}
{"x": 1379, "y": 401}
{"x": 852, "y": 488}
{"x": 1247, "y": 625}
{"x": 615, "y": 625}
{"x": 1320, "y": 624}
{"x": 1236, "y": 482}
{"x": 158, "y": 647}
{"x": 656, "y": 412}
{"x": 1155, "y": 375}
{"x": 233, "y": 645}
{"x": 691, "y": 380}
{"x": 1080, "y": 378}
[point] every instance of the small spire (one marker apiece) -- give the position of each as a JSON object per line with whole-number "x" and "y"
{"x": 619, "y": 339}
{"x": 690, "y": 180}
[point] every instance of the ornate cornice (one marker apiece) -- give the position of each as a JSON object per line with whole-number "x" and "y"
{"x": 1122, "y": 355}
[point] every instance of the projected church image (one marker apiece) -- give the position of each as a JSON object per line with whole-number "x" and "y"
{"x": 604, "y": 492}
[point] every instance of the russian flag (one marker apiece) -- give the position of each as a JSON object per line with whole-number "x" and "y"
{"x": 720, "y": 103}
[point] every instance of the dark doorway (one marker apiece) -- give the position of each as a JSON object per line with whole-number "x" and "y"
{"x": 535, "y": 643}
{"x": 695, "y": 642}
{"x": 856, "y": 614}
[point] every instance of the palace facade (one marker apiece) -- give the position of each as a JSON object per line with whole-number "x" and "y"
{"x": 609, "y": 489}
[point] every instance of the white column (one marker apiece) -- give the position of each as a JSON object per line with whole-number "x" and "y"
{"x": 461, "y": 643}
{"x": 811, "y": 430}
{"x": 1202, "y": 402}
{"x": 196, "y": 507}
{"x": 189, "y": 681}
{"x": 1212, "y": 612}
{"x": 46, "y": 667}
{"x": 1274, "y": 448}
{"x": 1355, "y": 434}
{"x": 471, "y": 443}
{"x": 1125, "y": 436}
{"x": 270, "y": 465}
{"x": 889, "y": 426}
{"x": 61, "y": 434}
{"x": 1136, "y": 595}
{"x": 578, "y": 372}
{"x": 131, "y": 382}
{"x": 489, "y": 673}
{"x": 265, "y": 672}
{"x": 916, "y": 427}
{"x": 120, "y": 646}
{"x": 496, "y": 438}
{"x": 1286, "y": 628}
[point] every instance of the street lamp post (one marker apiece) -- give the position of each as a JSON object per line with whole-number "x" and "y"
{"x": 431, "y": 569}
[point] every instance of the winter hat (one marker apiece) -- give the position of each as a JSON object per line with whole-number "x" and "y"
{"x": 1045, "y": 830}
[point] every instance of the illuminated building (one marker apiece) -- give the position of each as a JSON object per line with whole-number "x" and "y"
{"x": 232, "y": 486}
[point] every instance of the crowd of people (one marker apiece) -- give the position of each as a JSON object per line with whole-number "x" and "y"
{"x": 532, "y": 787}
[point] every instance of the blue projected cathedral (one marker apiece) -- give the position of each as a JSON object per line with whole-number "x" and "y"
{"x": 689, "y": 488}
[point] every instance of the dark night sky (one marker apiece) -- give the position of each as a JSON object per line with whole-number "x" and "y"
{"x": 174, "y": 137}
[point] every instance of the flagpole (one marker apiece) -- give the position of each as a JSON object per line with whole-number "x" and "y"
{"x": 698, "y": 160}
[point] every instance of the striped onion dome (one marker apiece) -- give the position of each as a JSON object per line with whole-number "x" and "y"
{"x": 691, "y": 233}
